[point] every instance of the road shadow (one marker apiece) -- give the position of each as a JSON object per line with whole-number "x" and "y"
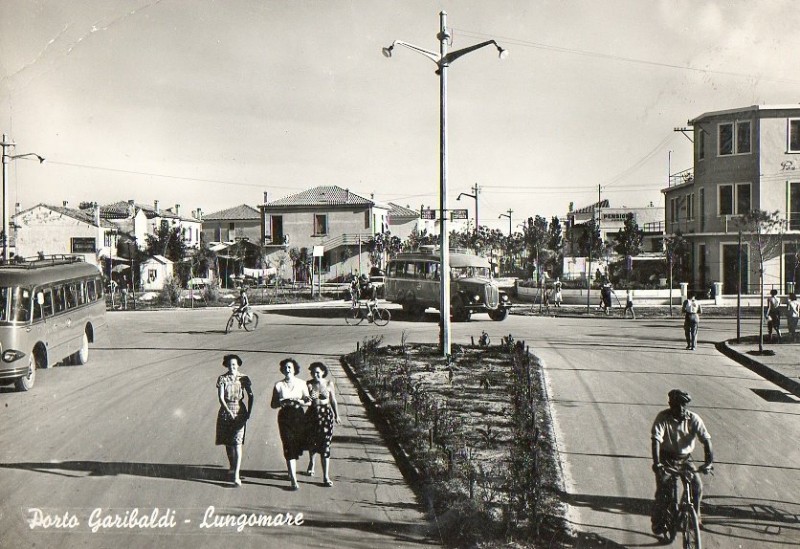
{"x": 210, "y": 474}
{"x": 188, "y": 332}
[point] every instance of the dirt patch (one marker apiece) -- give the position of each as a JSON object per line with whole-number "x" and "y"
{"x": 472, "y": 434}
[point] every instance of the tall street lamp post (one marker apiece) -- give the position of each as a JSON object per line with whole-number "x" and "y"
{"x": 443, "y": 60}
{"x": 7, "y": 146}
{"x": 475, "y": 196}
{"x": 508, "y": 215}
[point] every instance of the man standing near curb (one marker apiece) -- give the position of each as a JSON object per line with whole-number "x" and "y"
{"x": 691, "y": 322}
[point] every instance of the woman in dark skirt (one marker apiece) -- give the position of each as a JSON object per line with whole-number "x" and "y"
{"x": 291, "y": 396}
{"x": 320, "y": 416}
{"x": 233, "y": 414}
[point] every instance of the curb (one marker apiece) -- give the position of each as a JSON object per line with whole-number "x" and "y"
{"x": 383, "y": 424}
{"x": 760, "y": 368}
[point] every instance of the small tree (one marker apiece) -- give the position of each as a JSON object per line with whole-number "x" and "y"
{"x": 764, "y": 231}
{"x": 555, "y": 243}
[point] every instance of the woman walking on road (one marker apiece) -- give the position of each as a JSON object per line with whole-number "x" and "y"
{"x": 792, "y": 316}
{"x": 291, "y": 396}
{"x": 321, "y": 415}
{"x": 773, "y": 314}
{"x": 233, "y": 414}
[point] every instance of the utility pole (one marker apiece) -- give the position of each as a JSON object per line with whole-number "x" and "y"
{"x": 6, "y": 158}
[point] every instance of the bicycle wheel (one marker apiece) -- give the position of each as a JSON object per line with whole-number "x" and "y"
{"x": 381, "y": 316}
{"x": 229, "y": 325}
{"x": 250, "y": 324}
{"x": 354, "y": 316}
{"x": 691, "y": 529}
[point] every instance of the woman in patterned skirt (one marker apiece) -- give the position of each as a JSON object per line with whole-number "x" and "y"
{"x": 233, "y": 414}
{"x": 321, "y": 415}
{"x": 291, "y": 396}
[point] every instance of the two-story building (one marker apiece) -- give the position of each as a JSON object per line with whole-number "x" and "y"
{"x": 240, "y": 222}
{"x": 337, "y": 222}
{"x": 61, "y": 230}
{"x": 138, "y": 220}
{"x": 745, "y": 159}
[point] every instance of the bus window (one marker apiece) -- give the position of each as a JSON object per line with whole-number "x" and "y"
{"x": 391, "y": 269}
{"x": 3, "y": 304}
{"x": 435, "y": 271}
{"x": 411, "y": 270}
{"x": 80, "y": 288}
{"x": 47, "y": 306}
{"x": 59, "y": 303}
{"x": 21, "y": 304}
{"x": 91, "y": 291}
{"x": 72, "y": 298}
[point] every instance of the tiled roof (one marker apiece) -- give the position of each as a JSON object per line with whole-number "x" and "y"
{"x": 119, "y": 210}
{"x": 242, "y": 211}
{"x": 85, "y": 216}
{"x": 401, "y": 211}
{"x": 326, "y": 195}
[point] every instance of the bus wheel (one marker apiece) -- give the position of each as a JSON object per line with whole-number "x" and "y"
{"x": 82, "y": 356}
{"x": 498, "y": 314}
{"x": 25, "y": 383}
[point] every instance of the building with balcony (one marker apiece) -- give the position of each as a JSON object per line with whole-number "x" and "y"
{"x": 745, "y": 159}
{"x": 239, "y": 222}
{"x": 337, "y": 222}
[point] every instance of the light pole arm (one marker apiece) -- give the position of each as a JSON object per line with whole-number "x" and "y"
{"x": 433, "y": 56}
{"x": 453, "y": 55}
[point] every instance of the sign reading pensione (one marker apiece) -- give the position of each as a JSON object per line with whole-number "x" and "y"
{"x": 458, "y": 214}
{"x": 428, "y": 214}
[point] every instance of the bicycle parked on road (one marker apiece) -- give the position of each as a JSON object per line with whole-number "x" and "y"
{"x": 248, "y": 320}
{"x": 361, "y": 310}
{"x": 681, "y": 515}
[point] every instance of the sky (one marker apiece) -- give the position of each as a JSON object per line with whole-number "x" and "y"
{"x": 210, "y": 104}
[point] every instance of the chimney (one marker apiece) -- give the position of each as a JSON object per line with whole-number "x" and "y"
{"x": 199, "y": 215}
{"x": 266, "y": 197}
{"x": 177, "y": 209}
{"x": 96, "y": 208}
{"x": 17, "y": 208}
{"x": 131, "y": 208}
{"x": 64, "y": 203}
{"x": 155, "y": 207}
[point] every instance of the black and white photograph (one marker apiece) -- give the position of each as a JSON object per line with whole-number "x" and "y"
{"x": 383, "y": 273}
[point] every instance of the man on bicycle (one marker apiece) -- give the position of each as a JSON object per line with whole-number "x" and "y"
{"x": 673, "y": 436}
{"x": 367, "y": 290}
{"x": 242, "y": 306}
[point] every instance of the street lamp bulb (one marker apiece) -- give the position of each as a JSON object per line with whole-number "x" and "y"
{"x": 387, "y": 52}
{"x": 503, "y": 53}
{"x": 41, "y": 159}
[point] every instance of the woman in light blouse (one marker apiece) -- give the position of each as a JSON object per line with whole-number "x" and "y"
{"x": 233, "y": 415}
{"x": 291, "y": 396}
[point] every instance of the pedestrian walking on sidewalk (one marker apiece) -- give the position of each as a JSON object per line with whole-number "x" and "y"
{"x": 792, "y": 316}
{"x": 629, "y": 305}
{"x": 557, "y": 297}
{"x": 321, "y": 416}
{"x": 773, "y": 314}
{"x": 691, "y": 321}
{"x": 233, "y": 414}
{"x": 291, "y": 396}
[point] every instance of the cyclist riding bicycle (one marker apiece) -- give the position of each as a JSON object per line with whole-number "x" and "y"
{"x": 367, "y": 291}
{"x": 242, "y": 306}
{"x": 673, "y": 436}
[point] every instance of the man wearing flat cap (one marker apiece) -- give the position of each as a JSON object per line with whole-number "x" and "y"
{"x": 673, "y": 437}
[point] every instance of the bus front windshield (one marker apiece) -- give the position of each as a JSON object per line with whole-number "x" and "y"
{"x": 15, "y": 304}
{"x": 469, "y": 272}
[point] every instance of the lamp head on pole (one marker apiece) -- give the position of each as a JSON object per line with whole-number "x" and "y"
{"x": 502, "y": 52}
{"x": 387, "y": 52}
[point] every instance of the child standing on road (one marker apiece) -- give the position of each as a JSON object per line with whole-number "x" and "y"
{"x": 629, "y": 305}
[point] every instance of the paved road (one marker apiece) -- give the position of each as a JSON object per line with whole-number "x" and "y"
{"x": 134, "y": 429}
{"x": 609, "y": 378}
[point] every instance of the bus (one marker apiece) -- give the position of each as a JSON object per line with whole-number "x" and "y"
{"x": 413, "y": 280}
{"x": 51, "y": 308}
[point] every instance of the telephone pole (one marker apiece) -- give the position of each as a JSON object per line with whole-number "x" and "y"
{"x": 508, "y": 215}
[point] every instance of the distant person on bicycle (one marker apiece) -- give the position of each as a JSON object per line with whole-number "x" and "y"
{"x": 367, "y": 291}
{"x": 242, "y": 306}
{"x": 673, "y": 436}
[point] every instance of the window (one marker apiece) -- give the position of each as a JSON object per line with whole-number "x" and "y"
{"x": 83, "y": 246}
{"x": 794, "y": 136}
{"x": 734, "y": 199}
{"x": 72, "y": 298}
{"x": 702, "y": 210}
{"x": 690, "y": 206}
{"x": 673, "y": 210}
{"x": 701, "y": 144}
{"x": 91, "y": 290}
{"x": 366, "y": 219}
{"x": 794, "y": 206}
{"x": 733, "y": 138}
{"x": 59, "y": 299}
{"x": 320, "y": 224}
{"x": 81, "y": 289}
{"x": 47, "y": 306}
